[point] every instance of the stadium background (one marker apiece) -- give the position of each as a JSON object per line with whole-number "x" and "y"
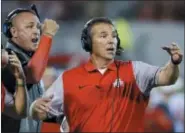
{"x": 143, "y": 26}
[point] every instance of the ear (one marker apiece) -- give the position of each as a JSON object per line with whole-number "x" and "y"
{"x": 13, "y": 31}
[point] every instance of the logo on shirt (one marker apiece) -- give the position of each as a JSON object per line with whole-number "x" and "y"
{"x": 118, "y": 83}
{"x": 82, "y": 86}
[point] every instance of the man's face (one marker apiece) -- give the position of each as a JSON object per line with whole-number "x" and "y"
{"x": 26, "y": 31}
{"x": 104, "y": 41}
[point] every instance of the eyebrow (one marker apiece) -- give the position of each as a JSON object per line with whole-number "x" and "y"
{"x": 34, "y": 23}
{"x": 104, "y": 32}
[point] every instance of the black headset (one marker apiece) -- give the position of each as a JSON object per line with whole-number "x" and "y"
{"x": 86, "y": 38}
{"x": 8, "y": 22}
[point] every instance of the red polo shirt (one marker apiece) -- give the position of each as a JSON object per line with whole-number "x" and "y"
{"x": 93, "y": 103}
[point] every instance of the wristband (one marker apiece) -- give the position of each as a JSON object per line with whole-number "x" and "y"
{"x": 20, "y": 83}
{"x": 175, "y": 62}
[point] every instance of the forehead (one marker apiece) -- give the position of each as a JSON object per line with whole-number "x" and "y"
{"x": 26, "y": 17}
{"x": 102, "y": 27}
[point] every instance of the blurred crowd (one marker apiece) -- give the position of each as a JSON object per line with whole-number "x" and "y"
{"x": 75, "y": 10}
{"x": 165, "y": 112}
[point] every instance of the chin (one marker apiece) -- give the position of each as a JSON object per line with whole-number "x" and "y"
{"x": 109, "y": 57}
{"x": 34, "y": 49}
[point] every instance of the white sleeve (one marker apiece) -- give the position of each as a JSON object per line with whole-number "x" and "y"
{"x": 9, "y": 99}
{"x": 56, "y": 89}
{"x": 145, "y": 75}
{"x": 9, "y": 105}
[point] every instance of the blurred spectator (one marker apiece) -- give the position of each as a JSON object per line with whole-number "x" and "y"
{"x": 178, "y": 11}
{"x": 76, "y": 60}
{"x": 159, "y": 119}
{"x": 94, "y": 8}
{"x": 74, "y": 10}
{"x": 161, "y": 115}
{"x": 6, "y": 7}
{"x": 47, "y": 9}
{"x": 131, "y": 10}
{"x": 176, "y": 106}
{"x": 49, "y": 77}
{"x": 162, "y": 10}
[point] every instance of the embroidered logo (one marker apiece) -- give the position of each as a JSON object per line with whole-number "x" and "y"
{"x": 118, "y": 83}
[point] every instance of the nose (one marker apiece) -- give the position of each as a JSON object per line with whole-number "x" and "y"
{"x": 36, "y": 31}
{"x": 112, "y": 41}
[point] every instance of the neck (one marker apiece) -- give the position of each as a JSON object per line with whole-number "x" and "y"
{"x": 100, "y": 62}
{"x": 16, "y": 44}
{"x": 14, "y": 40}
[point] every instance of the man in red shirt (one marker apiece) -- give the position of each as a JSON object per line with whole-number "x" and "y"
{"x": 105, "y": 95}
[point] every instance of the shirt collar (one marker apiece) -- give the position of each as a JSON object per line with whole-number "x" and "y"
{"x": 90, "y": 67}
{"x": 11, "y": 45}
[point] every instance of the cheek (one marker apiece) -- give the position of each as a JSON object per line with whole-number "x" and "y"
{"x": 98, "y": 45}
{"x": 116, "y": 42}
{"x": 24, "y": 34}
{"x": 25, "y": 31}
{"x": 102, "y": 42}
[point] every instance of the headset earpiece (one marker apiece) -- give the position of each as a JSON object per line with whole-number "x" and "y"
{"x": 86, "y": 40}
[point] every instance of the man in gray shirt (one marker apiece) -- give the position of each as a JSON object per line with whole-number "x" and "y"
{"x": 23, "y": 29}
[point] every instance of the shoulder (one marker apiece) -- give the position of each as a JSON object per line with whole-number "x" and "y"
{"x": 74, "y": 71}
{"x": 123, "y": 63}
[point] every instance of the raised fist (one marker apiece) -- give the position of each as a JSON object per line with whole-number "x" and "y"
{"x": 50, "y": 27}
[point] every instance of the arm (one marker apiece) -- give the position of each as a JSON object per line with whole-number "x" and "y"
{"x": 170, "y": 72}
{"x": 36, "y": 66}
{"x": 16, "y": 105}
{"x": 148, "y": 76}
{"x": 54, "y": 105}
{"x": 145, "y": 76}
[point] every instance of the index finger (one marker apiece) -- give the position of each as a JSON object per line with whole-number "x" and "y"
{"x": 12, "y": 52}
{"x": 48, "y": 97}
{"x": 166, "y": 48}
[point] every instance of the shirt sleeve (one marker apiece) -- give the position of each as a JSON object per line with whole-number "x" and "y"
{"x": 37, "y": 64}
{"x": 9, "y": 99}
{"x": 56, "y": 89}
{"x": 145, "y": 75}
{"x": 9, "y": 108}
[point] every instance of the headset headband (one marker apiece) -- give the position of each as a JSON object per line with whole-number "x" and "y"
{"x": 7, "y": 24}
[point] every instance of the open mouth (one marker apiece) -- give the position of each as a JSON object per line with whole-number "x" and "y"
{"x": 35, "y": 40}
{"x": 110, "y": 49}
